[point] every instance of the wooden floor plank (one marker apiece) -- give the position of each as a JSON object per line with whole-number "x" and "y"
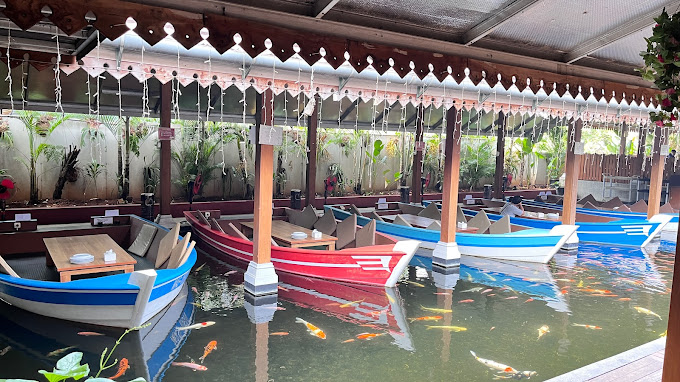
{"x": 633, "y": 371}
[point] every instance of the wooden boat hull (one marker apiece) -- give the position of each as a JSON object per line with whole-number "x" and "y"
{"x": 536, "y": 246}
{"x": 377, "y": 265}
{"x": 122, "y": 300}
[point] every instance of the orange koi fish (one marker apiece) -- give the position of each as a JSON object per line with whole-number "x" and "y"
{"x": 511, "y": 298}
{"x": 593, "y": 327}
{"x": 486, "y": 290}
{"x": 564, "y": 291}
{"x": 283, "y": 289}
{"x": 89, "y": 334}
{"x": 601, "y": 291}
{"x": 349, "y": 340}
{"x": 466, "y": 301}
{"x": 442, "y": 294}
{"x": 212, "y": 345}
{"x": 279, "y": 334}
{"x": 543, "y": 330}
{"x": 624, "y": 299}
{"x": 122, "y": 368}
{"x": 190, "y": 365}
{"x": 313, "y": 330}
{"x": 426, "y": 318}
{"x": 368, "y": 336}
{"x": 529, "y": 300}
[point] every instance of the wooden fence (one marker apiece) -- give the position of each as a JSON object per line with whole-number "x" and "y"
{"x": 594, "y": 165}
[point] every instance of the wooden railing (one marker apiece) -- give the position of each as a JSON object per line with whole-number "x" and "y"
{"x": 594, "y": 165}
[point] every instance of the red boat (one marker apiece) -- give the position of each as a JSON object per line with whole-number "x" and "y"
{"x": 379, "y": 265}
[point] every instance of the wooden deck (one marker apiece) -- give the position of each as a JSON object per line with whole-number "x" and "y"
{"x": 641, "y": 364}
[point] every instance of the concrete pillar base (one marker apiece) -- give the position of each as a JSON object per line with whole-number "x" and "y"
{"x": 446, "y": 255}
{"x": 165, "y": 221}
{"x": 261, "y": 279}
{"x": 445, "y": 278}
{"x": 260, "y": 309}
{"x": 571, "y": 243}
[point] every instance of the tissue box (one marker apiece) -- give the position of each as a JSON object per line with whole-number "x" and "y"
{"x": 109, "y": 256}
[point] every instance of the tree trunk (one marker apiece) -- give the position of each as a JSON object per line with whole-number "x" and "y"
{"x": 68, "y": 164}
{"x": 33, "y": 198}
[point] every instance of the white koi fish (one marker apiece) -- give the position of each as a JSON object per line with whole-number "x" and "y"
{"x": 198, "y": 326}
{"x": 494, "y": 365}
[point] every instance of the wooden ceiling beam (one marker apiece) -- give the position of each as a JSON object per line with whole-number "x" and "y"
{"x": 321, "y": 7}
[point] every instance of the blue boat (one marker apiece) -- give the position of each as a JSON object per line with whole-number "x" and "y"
{"x": 613, "y": 214}
{"x": 531, "y": 245}
{"x": 633, "y": 232}
{"x": 120, "y": 300}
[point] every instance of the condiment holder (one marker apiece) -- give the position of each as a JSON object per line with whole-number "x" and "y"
{"x": 462, "y": 225}
{"x": 316, "y": 234}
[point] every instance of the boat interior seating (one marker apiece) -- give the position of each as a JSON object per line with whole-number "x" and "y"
{"x": 346, "y": 232}
{"x": 622, "y": 208}
{"x": 639, "y": 206}
{"x": 666, "y": 209}
{"x": 501, "y": 225}
{"x": 398, "y": 220}
{"x": 480, "y": 221}
{"x": 305, "y": 218}
{"x": 431, "y": 211}
{"x": 612, "y": 203}
{"x": 410, "y": 209}
{"x": 460, "y": 216}
{"x": 354, "y": 209}
{"x": 435, "y": 226}
{"x": 590, "y": 205}
{"x": 326, "y": 224}
{"x": 590, "y": 198}
{"x": 374, "y": 215}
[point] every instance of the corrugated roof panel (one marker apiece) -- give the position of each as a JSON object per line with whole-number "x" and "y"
{"x": 627, "y": 49}
{"x": 564, "y": 24}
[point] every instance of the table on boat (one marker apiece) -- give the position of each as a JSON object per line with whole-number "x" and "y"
{"x": 423, "y": 222}
{"x": 60, "y": 249}
{"x": 282, "y": 231}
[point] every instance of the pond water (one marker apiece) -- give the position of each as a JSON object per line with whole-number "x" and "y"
{"x": 490, "y": 307}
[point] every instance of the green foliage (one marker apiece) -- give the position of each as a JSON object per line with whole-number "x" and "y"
{"x": 553, "y": 148}
{"x": 432, "y": 162}
{"x": 477, "y": 161}
{"x": 195, "y": 155}
{"x": 662, "y": 66}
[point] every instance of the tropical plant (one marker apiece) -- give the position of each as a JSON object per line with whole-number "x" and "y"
{"x": 195, "y": 155}
{"x": 375, "y": 158}
{"x": 93, "y": 170}
{"x": 553, "y": 149}
{"x": 432, "y": 159}
{"x": 525, "y": 150}
{"x": 477, "y": 161}
{"x": 6, "y": 134}
{"x": 39, "y": 127}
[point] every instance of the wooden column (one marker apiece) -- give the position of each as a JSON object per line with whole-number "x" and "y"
{"x": 264, "y": 170}
{"x": 500, "y": 158}
{"x": 671, "y": 366}
{"x": 451, "y": 176}
{"x": 622, "y": 142}
{"x": 313, "y": 123}
{"x": 573, "y": 167}
{"x": 656, "y": 173}
{"x": 416, "y": 183}
{"x": 642, "y": 142}
{"x": 166, "y": 151}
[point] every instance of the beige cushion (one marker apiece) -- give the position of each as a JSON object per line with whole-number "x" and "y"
{"x": 460, "y": 215}
{"x": 5, "y": 268}
{"x": 274, "y": 243}
{"x": 639, "y": 206}
{"x": 591, "y": 206}
{"x": 410, "y": 209}
{"x": 354, "y": 210}
{"x": 293, "y": 215}
{"x": 143, "y": 240}
{"x": 480, "y": 221}
{"x": 201, "y": 218}
{"x": 187, "y": 252}
{"x": 590, "y": 198}
{"x": 502, "y": 225}
{"x": 374, "y": 215}
{"x": 326, "y": 223}
{"x": 435, "y": 226}
{"x": 178, "y": 253}
{"x": 365, "y": 237}
{"x": 167, "y": 244}
{"x": 231, "y": 230}
{"x": 431, "y": 211}
{"x": 398, "y": 220}
{"x": 346, "y": 231}
{"x": 307, "y": 218}
{"x": 615, "y": 202}
{"x": 666, "y": 208}
{"x": 215, "y": 225}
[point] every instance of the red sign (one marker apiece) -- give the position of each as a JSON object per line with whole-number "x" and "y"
{"x": 166, "y": 133}
{"x": 420, "y": 146}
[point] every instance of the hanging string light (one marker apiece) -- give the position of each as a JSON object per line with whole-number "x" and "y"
{"x": 123, "y": 134}
{"x": 24, "y": 88}
{"x": 222, "y": 128}
{"x": 8, "y": 79}
{"x": 176, "y": 90}
{"x": 146, "y": 112}
{"x": 57, "y": 77}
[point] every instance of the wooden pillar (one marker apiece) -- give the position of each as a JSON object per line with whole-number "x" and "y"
{"x": 416, "y": 183}
{"x": 622, "y": 142}
{"x": 500, "y": 157}
{"x": 313, "y": 123}
{"x": 573, "y": 168}
{"x": 656, "y": 173}
{"x": 166, "y": 151}
{"x": 642, "y": 142}
{"x": 671, "y": 368}
{"x": 260, "y": 278}
{"x": 446, "y": 251}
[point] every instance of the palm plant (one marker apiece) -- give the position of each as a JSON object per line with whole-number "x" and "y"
{"x": 195, "y": 156}
{"x": 553, "y": 148}
{"x": 477, "y": 162}
{"x": 39, "y": 127}
{"x": 525, "y": 150}
{"x": 93, "y": 170}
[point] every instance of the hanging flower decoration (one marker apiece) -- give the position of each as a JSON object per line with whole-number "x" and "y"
{"x": 5, "y": 186}
{"x": 4, "y": 126}
{"x": 330, "y": 182}
{"x": 662, "y": 66}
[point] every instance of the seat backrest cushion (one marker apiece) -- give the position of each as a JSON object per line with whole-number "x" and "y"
{"x": 502, "y": 225}
{"x": 410, "y": 209}
{"x": 167, "y": 244}
{"x": 307, "y": 218}
{"x": 431, "y": 211}
{"x": 346, "y": 231}
{"x": 435, "y": 226}
{"x": 365, "y": 237}
{"x": 639, "y": 206}
{"x": 374, "y": 215}
{"x": 326, "y": 224}
{"x": 480, "y": 221}
{"x": 398, "y": 220}
{"x": 143, "y": 240}
{"x": 460, "y": 216}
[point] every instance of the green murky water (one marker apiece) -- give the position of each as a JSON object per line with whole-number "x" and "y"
{"x": 501, "y": 305}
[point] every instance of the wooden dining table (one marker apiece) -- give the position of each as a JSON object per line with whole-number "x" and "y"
{"x": 423, "y": 222}
{"x": 282, "y": 231}
{"x": 60, "y": 249}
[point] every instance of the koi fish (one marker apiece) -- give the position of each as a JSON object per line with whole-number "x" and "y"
{"x": 419, "y": 285}
{"x": 313, "y": 330}
{"x": 349, "y": 340}
{"x": 563, "y": 291}
{"x": 492, "y": 328}
{"x": 494, "y": 365}
{"x": 601, "y": 291}
{"x": 5, "y": 350}
{"x": 199, "y": 268}
{"x": 426, "y": 318}
{"x": 543, "y": 330}
{"x": 580, "y": 284}
{"x": 89, "y": 334}
{"x": 190, "y": 365}
{"x": 566, "y": 280}
{"x": 283, "y": 289}
{"x": 529, "y": 300}
{"x": 624, "y": 299}
{"x": 449, "y": 328}
{"x": 486, "y": 290}
{"x": 442, "y": 294}
{"x": 489, "y": 276}
{"x": 59, "y": 351}
{"x": 122, "y": 368}
{"x": 194, "y": 289}
{"x": 469, "y": 277}
{"x": 491, "y": 294}
{"x": 347, "y": 305}
{"x": 368, "y": 336}
{"x": 466, "y": 301}
{"x": 511, "y": 298}
{"x": 435, "y": 310}
{"x": 664, "y": 334}
{"x": 230, "y": 273}
{"x": 196, "y": 304}
{"x": 197, "y": 326}
{"x": 279, "y": 334}
{"x": 593, "y": 327}
{"x": 473, "y": 290}
{"x": 212, "y": 345}
{"x": 647, "y": 312}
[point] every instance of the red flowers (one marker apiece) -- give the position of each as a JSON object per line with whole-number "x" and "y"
{"x": 660, "y": 58}
{"x": 670, "y": 91}
{"x": 5, "y": 186}
{"x": 659, "y": 123}
{"x": 666, "y": 102}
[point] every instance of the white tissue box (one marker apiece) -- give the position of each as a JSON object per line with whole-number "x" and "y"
{"x": 317, "y": 234}
{"x": 109, "y": 256}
